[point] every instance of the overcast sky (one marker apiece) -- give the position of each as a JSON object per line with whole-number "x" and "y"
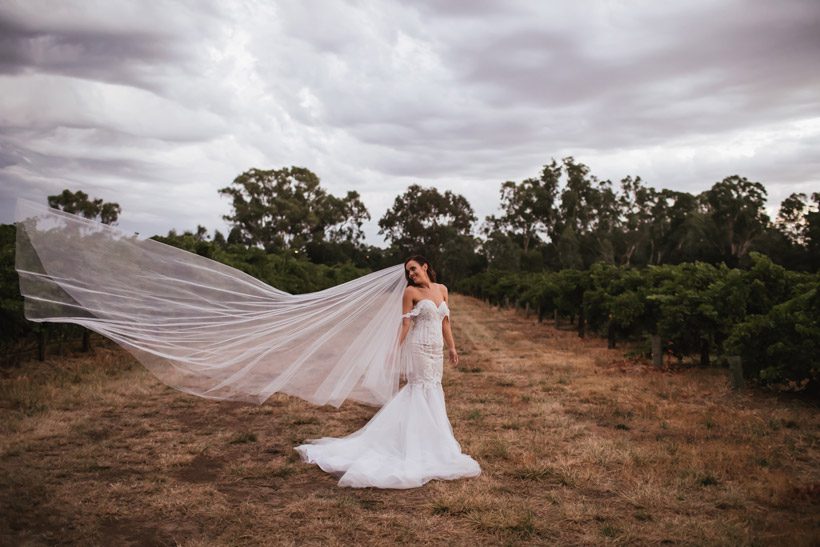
{"x": 157, "y": 104}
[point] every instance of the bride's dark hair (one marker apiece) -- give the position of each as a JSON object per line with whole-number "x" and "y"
{"x": 431, "y": 273}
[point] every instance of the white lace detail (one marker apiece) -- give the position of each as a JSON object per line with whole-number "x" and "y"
{"x": 423, "y": 363}
{"x": 410, "y": 440}
{"x": 417, "y": 308}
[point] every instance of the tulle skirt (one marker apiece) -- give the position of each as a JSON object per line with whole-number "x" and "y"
{"x": 407, "y": 443}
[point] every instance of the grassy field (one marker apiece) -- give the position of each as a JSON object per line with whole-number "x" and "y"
{"x": 578, "y": 446}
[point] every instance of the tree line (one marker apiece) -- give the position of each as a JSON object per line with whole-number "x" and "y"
{"x": 562, "y": 224}
{"x": 565, "y": 217}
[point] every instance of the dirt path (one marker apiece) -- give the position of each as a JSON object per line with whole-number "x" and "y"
{"x": 577, "y": 445}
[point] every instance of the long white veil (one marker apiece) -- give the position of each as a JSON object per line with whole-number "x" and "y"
{"x": 206, "y": 328}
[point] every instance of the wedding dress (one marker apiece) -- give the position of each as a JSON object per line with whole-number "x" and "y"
{"x": 210, "y": 330}
{"x": 409, "y": 441}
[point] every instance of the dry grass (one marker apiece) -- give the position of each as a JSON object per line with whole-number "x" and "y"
{"x": 577, "y": 446}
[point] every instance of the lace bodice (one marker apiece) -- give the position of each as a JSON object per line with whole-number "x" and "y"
{"x": 410, "y": 440}
{"x": 427, "y": 318}
{"x": 424, "y": 345}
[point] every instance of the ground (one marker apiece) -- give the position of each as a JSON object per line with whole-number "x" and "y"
{"x": 578, "y": 446}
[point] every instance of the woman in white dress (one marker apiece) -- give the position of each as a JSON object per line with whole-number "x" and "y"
{"x": 410, "y": 440}
{"x": 210, "y": 330}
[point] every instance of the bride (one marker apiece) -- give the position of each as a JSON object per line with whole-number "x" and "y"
{"x": 210, "y": 330}
{"x": 410, "y": 440}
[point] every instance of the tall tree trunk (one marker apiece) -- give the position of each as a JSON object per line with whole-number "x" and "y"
{"x": 628, "y": 255}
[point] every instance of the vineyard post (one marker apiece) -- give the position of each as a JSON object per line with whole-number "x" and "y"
{"x": 736, "y": 371}
{"x": 556, "y": 318}
{"x": 86, "y": 340}
{"x": 704, "y": 352}
{"x": 657, "y": 351}
{"x": 582, "y": 321}
{"x": 527, "y": 309}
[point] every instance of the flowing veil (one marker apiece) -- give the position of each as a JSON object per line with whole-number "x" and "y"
{"x": 206, "y": 328}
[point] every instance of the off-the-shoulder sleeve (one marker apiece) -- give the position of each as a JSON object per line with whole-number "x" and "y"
{"x": 412, "y": 313}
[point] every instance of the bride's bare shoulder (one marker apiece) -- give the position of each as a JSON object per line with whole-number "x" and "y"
{"x": 442, "y": 289}
{"x": 411, "y": 293}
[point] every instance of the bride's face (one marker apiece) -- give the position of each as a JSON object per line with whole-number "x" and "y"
{"x": 416, "y": 272}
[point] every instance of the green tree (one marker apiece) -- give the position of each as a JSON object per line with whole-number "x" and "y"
{"x": 578, "y": 199}
{"x": 528, "y": 208}
{"x": 501, "y": 252}
{"x": 812, "y": 232}
{"x": 589, "y": 206}
{"x": 634, "y": 204}
{"x": 791, "y": 218}
{"x": 288, "y": 209}
{"x": 424, "y": 220}
{"x": 737, "y": 208}
{"x": 669, "y": 230}
{"x": 78, "y": 203}
{"x": 569, "y": 250}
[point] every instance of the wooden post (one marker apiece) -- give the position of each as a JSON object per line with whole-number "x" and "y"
{"x": 657, "y": 351}
{"x": 610, "y": 338}
{"x": 556, "y": 318}
{"x": 527, "y": 309}
{"x": 86, "y": 340}
{"x": 736, "y": 371}
{"x": 582, "y": 323}
{"x": 704, "y": 353}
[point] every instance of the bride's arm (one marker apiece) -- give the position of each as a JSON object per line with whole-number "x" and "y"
{"x": 406, "y": 306}
{"x": 447, "y": 332}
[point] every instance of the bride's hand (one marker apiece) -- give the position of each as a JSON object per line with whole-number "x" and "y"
{"x": 453, "y": 356}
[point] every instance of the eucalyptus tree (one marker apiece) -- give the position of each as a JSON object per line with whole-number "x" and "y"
{"x": 78, "y": 203}
{"x": 736, "y": 206}
{"x": 528, "y": 208}
{"x": 668, "y": 228}
{"x": 634, "y": 204}
{"x": 791, "y": 218}
{"x": 435, "y": 224}
{"x": 287, "y": 209}
{"x": 588, "y": 212}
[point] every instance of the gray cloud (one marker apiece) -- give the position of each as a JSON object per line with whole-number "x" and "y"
{"x": 158, "y": 105}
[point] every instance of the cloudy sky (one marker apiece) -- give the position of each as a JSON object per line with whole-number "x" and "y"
{"x": 157, "y": 104}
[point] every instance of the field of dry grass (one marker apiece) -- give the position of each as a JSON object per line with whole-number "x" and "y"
{"x": 578, "y": 446}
